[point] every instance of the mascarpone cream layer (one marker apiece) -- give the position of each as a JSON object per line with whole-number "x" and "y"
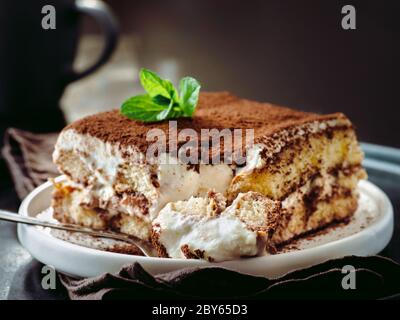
{"x": 106, "y": 161}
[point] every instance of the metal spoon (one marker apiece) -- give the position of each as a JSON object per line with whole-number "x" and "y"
{"x": 146, "y": 248}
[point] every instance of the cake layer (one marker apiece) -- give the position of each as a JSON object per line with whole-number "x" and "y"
{"x": 277, "y": 175}
{"x": 70, "y": 205}
{"x": 321, "y": 201}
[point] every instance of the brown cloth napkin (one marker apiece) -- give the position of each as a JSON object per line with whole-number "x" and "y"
{"x": 28, "y": 157}
{"x": 375, "y": 278}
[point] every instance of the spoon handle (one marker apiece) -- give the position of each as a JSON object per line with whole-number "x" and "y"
{"x": 13, "y": 217}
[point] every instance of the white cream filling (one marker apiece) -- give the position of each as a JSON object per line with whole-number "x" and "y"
{"x": 253, "y": 160}
{"x": 221, "y": 238}
{"x": 177, "y": 181}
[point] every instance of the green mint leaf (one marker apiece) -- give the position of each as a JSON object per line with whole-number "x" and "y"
{"x": 142, "y": 108}
{"x": 162, "y": 100}
{"x": 167, "y": 113}
{"x": 189, "y": 89}
{"x": 155, "y": 86}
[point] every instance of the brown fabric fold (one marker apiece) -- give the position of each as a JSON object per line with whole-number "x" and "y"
{"x": 375, "y": 278}
{"x": 29, "y": 158}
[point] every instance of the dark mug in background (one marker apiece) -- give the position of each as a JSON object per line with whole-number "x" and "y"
{"x": 36, "y": 64}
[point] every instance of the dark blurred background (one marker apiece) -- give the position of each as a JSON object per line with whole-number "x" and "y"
{"x": 292, "y": 53}
{"x": 287, "y": 52}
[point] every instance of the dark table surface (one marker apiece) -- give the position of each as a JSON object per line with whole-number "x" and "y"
{"x": 20, "y": 274}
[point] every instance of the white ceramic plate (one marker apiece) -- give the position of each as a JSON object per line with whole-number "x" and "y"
{"x": 367, "y": 234}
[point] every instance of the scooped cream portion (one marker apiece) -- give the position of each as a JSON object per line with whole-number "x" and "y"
{"x": 203, "y": 228}
{"x": 223, "y": 238}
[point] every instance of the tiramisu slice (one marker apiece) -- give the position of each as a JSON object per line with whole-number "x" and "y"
{"x": 308, "y": 165}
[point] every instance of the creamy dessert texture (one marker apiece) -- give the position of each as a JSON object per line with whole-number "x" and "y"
{"x": 300, "y": 174}
{"x": 205, "y": 228}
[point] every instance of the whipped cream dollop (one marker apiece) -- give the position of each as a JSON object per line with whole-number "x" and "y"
{"x": 205, "y": 228}
{"x": 190, "y": 226}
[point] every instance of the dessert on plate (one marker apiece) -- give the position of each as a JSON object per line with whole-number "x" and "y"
{"x": 300, "y": 174}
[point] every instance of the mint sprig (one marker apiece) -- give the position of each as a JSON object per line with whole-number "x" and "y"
{"x": 162, "y": 101}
